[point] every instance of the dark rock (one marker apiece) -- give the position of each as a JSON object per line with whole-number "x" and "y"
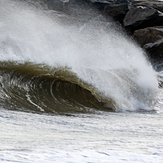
{"x": 151, "y": 39}
{"x": 148, "y": 35}
{"x": 141, "y": 17}
{"x": 117, "y": 11}
{"x": 58, "y": 5}
{"x": 69, "y": 6}
{"x": 137, "y": 15}
{"x": 39, "y": 3}
{"x": 157, "y": 4}
{"x": 155, "y": 50}
{"x": 114, "y": 8}
{"x": 108, "y": 1}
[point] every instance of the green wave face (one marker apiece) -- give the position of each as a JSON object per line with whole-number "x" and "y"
{"x": 37, "y": 88}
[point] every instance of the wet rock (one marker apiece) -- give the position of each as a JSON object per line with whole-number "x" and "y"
{"x": 117, "y": 11}
{"x": 114, "y": 8}
{"x": 151, "y": 39}
{"x": 141, "y": 17}
{"x": 58, "y": 5}
{"x": 157, "y": 4}
{"x": 69, "y": 6}
{"x": 83, "y": 10}
{"x": 148, "y": 35}
{"x": 155, "y": 50}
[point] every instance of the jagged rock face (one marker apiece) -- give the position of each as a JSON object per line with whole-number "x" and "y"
{"x": 148, "y": 35}
{"x": 138, "y": 14}
{"x": 66, "y": 5}
{"x": 114, "y": 8}
{"x": 157, "y": 4}
{"x": 60, "y": 5}
{"x": 155, "y": 50}
{"x": 116, "y": 11}
{"x": 151, "y": 39}
{"x": 77, "y": 8}
{"x": 141, "y": 17}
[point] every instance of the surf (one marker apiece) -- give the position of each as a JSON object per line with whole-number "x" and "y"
{"x": 95, "y": 65}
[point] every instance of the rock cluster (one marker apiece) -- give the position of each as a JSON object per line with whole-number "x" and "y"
{"x": 143, "y": 19}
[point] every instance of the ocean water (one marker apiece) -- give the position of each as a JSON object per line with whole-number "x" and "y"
{"x": 75, "y": 90}
{"x": 100, "y": 137}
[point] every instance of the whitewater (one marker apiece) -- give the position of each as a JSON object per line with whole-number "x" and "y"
{"x": 60, "y": 76}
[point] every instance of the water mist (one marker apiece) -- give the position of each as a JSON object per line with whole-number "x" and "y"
{"x": 98, "y": 54}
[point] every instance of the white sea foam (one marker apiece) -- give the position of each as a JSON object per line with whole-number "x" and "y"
{"x": 109, "y": 137}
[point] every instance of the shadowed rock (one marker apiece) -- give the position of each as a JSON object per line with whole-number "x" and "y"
{"x": 157, "y": 4}
{"x": 114, "y": 8}
{"x": 148, "y": 35}
{"x": 68, "y": 6}
{"x": 155, "y": 50}
{"x": 141, "y": 17}
{"x": 151, "y": 39}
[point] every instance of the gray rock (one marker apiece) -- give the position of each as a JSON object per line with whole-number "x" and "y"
{"x": 117, "y": 11}
{"x": 138, "y": 14}
{"x": 141, "y": 17}
{"x": 157, "y": 4}
{"x": 77, "y": 8}
{"x": 155, "y": 50}
{"x": 148, "y": 35}
{"x": 151, "y": 39}
{"x": 114, "y": 8}
{"x": 58, "y": 5}
{"x": 109, "y": 1}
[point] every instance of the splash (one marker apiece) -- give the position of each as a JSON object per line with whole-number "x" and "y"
{"x": 92, "y": 49}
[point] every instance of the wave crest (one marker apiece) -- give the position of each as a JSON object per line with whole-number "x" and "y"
{"x": 32, "y": 87}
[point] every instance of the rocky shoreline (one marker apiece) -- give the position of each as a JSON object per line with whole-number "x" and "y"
{"x": 142, "y": 19}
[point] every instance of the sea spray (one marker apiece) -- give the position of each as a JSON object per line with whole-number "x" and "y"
{"x": 99, "y": 55}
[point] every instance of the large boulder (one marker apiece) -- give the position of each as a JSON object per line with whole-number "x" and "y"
{"x": 155, "y": 51}
{"x": 141, "y": 17}
{"x": 114, "y": 8}
{"x": 151, "y": 39}
{"x": 117, "y": 9}
{"x": 148, "y": 35}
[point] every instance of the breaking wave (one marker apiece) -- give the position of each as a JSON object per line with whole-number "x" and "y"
{"x": 75, "y": 65}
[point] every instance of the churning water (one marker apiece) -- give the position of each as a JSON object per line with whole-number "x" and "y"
{"x": 58, "y": 64}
